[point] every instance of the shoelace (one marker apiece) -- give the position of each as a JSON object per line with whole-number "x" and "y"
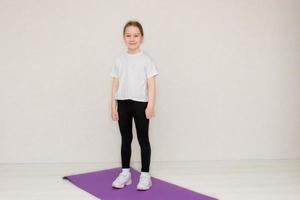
{"x": 144, "y": 179}
{"x": 121, "y": 176}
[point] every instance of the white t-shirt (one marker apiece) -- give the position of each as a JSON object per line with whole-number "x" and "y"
{"x": 133, "y": 70}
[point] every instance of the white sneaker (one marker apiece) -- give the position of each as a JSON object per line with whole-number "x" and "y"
{"x": 123, "y": 179}
{"x": 145, "y": 181}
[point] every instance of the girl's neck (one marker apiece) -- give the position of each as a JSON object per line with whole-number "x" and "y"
{"x": 133, "y": 51}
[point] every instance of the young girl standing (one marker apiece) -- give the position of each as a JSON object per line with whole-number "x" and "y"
{"x": 133, "y": 96}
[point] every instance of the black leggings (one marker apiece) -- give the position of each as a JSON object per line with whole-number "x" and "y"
{"x": 128, "y": 110}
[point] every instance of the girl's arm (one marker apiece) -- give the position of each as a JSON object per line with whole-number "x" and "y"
{"x": 115, "y": 85}
{"x": 151, "y": 97}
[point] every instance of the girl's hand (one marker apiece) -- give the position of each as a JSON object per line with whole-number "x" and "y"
{"x": 114, "y": 115}
{"x": 149, "y": 112}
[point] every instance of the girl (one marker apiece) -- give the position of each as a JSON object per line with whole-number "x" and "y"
{"x": 133, "y": 95}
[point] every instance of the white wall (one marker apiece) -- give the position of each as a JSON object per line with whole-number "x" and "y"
{"x": 228, "y": 86}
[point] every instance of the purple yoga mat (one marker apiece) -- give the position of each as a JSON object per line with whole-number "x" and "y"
{"x": 98, "y": 183}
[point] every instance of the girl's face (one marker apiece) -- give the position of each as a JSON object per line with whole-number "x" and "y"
{"x": 133, "y": 39}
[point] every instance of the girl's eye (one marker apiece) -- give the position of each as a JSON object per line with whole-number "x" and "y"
{"x": 134, "y": 35}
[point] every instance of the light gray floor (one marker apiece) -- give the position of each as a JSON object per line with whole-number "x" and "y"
{"x": 225, "y": 180}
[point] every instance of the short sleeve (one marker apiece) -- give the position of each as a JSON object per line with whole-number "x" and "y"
{"x": 115, "y": 71}
{"x": 151, "y": 70}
